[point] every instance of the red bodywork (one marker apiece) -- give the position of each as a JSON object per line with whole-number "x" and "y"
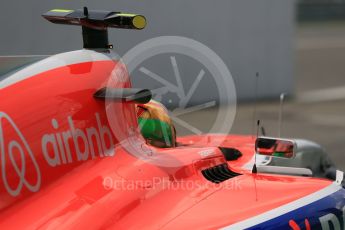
{"x": 77, "y": 175}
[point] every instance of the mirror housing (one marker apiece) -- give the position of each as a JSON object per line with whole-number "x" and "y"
{"x": 275, "y": 147}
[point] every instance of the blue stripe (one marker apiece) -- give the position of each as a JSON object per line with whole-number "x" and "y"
{"x": 333, "y": 203}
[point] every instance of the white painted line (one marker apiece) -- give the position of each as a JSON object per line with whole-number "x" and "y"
{"x": 320, "y": 43}
{"x": 323, "y": 95}
{"x": 327, "y": 119}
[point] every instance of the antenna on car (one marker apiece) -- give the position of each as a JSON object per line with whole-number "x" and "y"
{"x": 280, "y": 119}
{"x": 263, "y": 131}
{"x": 255, "y": 100}
{"x": 255, "y": 170}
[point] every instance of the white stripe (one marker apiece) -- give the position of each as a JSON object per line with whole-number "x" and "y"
{"x": 53, "y": 62}
{"x": 285, "y": 208}
{"x": 339, "y": 178}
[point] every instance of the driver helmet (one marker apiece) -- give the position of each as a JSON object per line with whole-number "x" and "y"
{"x": 155, "y": 124}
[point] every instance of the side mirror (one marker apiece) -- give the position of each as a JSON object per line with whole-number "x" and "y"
{"x": 274, "y": 147}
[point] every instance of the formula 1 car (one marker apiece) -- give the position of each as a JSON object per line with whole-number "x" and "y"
{"x": 81, "y": 149}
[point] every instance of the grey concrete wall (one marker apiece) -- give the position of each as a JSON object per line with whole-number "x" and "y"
{"x": 249, "y": 35}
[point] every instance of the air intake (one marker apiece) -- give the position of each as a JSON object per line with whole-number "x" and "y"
{"x": 219, "y": 173}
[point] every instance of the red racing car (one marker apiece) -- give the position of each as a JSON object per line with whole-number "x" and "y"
{"x": 81, "y": 149}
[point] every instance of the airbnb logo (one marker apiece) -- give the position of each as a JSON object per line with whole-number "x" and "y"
{"x": 87, "y": 144}
{"x": 8, "y": 150}
{"x": 19, "y": 167}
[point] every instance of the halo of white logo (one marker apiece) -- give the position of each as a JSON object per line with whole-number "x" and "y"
{"x": 21, "y": 172}
{"x": 197, "y": 51}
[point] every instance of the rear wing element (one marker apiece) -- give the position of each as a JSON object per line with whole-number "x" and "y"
{"x": 95, "y": 23}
